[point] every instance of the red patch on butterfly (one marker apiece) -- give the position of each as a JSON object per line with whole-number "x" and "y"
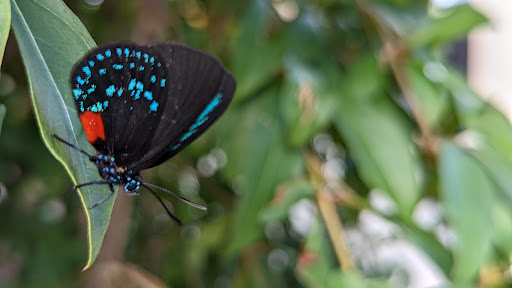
{"x": 93, "y": 126}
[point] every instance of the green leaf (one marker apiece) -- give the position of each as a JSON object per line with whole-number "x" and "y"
{"x": 2, "y": 115}
{"x": 351, "y": 279}
{"x": 502, "y": 226}
{"x": 287, "y": 195}
{"x": 467, "y": 196}
{"x": 429, "y": 243}
{"x": 433, "y": 103}
{"x": 316, "y": 259}
{"x": 456, "y": 24}
{"x": 498, "y": 165}
{"x": 5, "y": 25}
{"x": 467, "y": 102}
{"x": 497, "y": 162}
{"x": 402, "y": 20}
{"x": 256, "y": 59}
{"x": 51, "y": 39}
{"x": 306, "y": 103}
{"x": 494, "y": 129}
{"x": 259, "y": 161}
{"x": 378, "y": 137}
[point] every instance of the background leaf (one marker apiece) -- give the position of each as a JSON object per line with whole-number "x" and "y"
{"x": 286, "y": 195}
{"x": 268, "y": 163}
{"x": 5, "y": 25}
{"x": 315, "y": 261}
{"x": 380, "y": 142}
{"x": 2, "y": 115}
{"x": 253, "y": 71}
{"x": 456, "y": 23}
{"x": 432, "y": 99}
{"x": 465, "y": 188}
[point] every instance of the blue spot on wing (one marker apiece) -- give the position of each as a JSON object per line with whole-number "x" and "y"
{"x": 139, "y": 87}
{"x": 131, "y": 85}
{"x": 87, "y": 70}
{"x": 153, "y": 107}
{"x": 201, "y": 119}
{"x": 80, "y": 80}
{"x": 110, "y": 90}
{"x": 92, "y": 89}
{"x": 77, "y": 92}
{"x": 187, "y": 135}
{"x": 97, "y": 107}
{"x": 204, "y": 115}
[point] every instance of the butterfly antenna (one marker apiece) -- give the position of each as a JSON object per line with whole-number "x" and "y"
{"x": 162, "y": 202}
{"x": 71, "y": 145}
{"x": 193, "y": 204}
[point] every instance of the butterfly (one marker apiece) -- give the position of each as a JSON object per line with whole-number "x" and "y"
{"x": 141, "y": 105}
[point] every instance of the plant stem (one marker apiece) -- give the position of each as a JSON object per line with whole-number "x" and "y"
{"x": 327, "y": 207}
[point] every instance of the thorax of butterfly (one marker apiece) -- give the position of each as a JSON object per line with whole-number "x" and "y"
{"x": 109, "y": 171}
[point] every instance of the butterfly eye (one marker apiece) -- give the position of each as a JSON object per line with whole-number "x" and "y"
{"x": 132, "y": 186}
{"x": 103, "y": 172}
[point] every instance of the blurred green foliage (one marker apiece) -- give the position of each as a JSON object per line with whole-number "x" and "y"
{"x": 350, "y": 104}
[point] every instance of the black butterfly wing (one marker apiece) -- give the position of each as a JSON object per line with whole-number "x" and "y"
{"x": 148, "y": 114}
{"x": 200, "y": 91}
{"x": 119, "y": 91}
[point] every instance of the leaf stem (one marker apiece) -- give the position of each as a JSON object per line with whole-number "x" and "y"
{"x": 393, "y": 52}
{"x": 327, "y": 207}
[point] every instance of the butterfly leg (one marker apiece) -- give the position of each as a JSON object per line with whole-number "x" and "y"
{"x": 71, "y": 145}
{"x": 106, "y": 198}
{"x": 92, "y": 183}
{"x": 99, "y": 183}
